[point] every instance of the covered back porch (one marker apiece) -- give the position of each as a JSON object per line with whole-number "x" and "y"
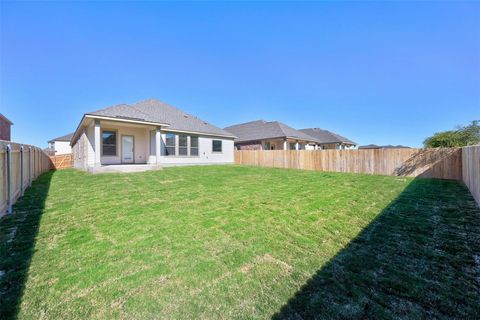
{"x": 124, "y": 143}
{"x": 112, "y": 144}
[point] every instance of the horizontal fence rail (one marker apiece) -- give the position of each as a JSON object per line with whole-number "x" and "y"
{"x": 443, "y": 163}
{"x": 20, "y": 164}
{"x": 471, "y": 170}
{"x": 62, "y": 161}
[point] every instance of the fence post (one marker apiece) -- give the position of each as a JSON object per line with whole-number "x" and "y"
{"x": 21, "y": 170}
{"x": 33, "y": 163}
{"x": 29, "y": 166}
{"x": 9, "y": 178}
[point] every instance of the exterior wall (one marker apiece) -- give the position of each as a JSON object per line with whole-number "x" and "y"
{"x": 141, "y": 144}
{"x": 329, "y": 146}
{"x": 80, "y": 153}
{"x": 84, "y": 148}
{"x": 253, "y": 145}
{"x": 205, "y": 154}
{"x": 337, "y": 146}
{"x": 274, "y": 144}
{"x": 62, "y": 147}
{"x": 90, "y": 146}
{"x": 5, "y": 130}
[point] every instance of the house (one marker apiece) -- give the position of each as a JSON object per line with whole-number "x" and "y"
{"x": 269, "y": 135}
{"x": 151, "y": 133}
{"x": 329, "y": 140}
{"x": 5, "y": 128}
{"x": 60, "y": 145}
{"x": 389, "y": 146}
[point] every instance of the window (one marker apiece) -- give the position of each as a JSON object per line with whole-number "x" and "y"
{"x": 267, "y": 146}
{"x": 109, "y": 143}
{"x": 170, "y": 144}
{"x": 194, "y": 146}
{"x": 153, "y": 146}
{"x": 179, "y": 145}
{"x": 182, "y": 145}
{"x": 293, "y": 146}
{"x": 216, "y": 145}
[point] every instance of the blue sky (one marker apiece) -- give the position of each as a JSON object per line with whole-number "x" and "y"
{"x": 384, "y": 73}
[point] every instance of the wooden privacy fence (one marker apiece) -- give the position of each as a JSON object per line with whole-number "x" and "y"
{"x": 62, "y": 161}
{"x": 20, "y": 164}
{"x": 471, "y": 170}
{"x": 444, "y": 163}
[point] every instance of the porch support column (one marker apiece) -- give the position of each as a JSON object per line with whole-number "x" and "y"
{"x": 297, "y": 146}
{"x": 97, "y": 139}
{"x": 285, "y": 145}
{"x": 157, "y": 145}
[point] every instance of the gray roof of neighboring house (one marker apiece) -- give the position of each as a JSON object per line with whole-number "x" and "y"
{"x": 260, "y": 130}
{"x": 389, "y": 146}
{"x": 66, "y": 137}
{"x": 325, "y": 136}
{"x": 155, "y": 111}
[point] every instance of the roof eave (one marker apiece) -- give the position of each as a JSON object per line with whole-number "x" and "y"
{"x": 344, "y": 142}
{"x": 202, "y": 133}
{"x": 95, "y": 116}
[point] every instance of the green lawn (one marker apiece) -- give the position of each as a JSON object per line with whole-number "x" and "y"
{"x": 240, "y": 242}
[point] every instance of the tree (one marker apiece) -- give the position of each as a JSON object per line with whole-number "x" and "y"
{"x": 462, "y": 136}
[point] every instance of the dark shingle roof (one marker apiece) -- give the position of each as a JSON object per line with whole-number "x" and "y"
{"x": 66, "y": 137}
{"x": 260, "y": 129}
{"x": 325, "y": 136}
{"x": 153, "y": 110}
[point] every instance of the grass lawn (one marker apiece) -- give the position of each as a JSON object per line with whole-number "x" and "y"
{"x": 240, "y": 242}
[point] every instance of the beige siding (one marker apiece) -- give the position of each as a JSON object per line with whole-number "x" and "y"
{"x": 141, "y": 144}
{"x": 206, "y": 156}
{"x": 79, "y": 151}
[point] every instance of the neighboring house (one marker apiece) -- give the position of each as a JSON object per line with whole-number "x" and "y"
{"x": 329, "y": 140}
{"x": 268, "y": 135}
{"x": 60, "y": 145}
{"x": 389, "y": 146}
{"x": 5, "y": 128}
{"x": 148, "y": 132}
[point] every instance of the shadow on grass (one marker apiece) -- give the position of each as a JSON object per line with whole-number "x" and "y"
{"x": 17, "y": 244}
{"x": 420, "y": 258}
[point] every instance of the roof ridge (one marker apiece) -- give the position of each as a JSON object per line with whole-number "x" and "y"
{"x": 141, "y": 111}
{"x": 109, "y": 107}
{"x": 245, "y": 123}
{"x": 282, "y": 125}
